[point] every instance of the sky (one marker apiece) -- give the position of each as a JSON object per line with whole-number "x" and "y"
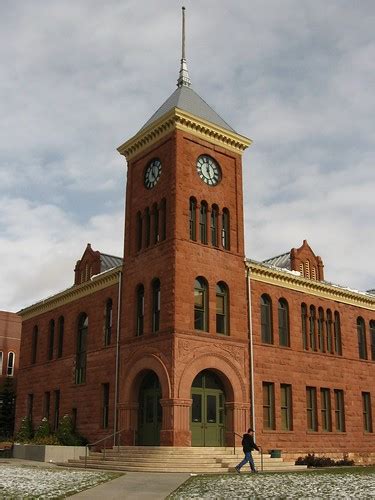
{"x": 79, "y": 78}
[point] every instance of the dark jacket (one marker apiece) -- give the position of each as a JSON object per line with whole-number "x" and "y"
{"x": 248, "y": 443}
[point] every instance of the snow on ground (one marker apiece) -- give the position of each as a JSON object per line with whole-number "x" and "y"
{"x": 19, "y": 482}
{"x": 306, "y": 485}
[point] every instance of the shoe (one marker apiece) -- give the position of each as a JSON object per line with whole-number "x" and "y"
{"x": 238, "y": 470}
{"x": 254, "y": 471}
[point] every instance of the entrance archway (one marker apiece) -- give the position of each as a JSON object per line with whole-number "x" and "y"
{"x": 150, "y": 411}
{"x": 207, "y": 411}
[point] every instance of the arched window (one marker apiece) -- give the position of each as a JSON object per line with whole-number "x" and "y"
{"x": 147, "y": 227}
{"x": 203, "y": 222}
{"x": 51, "y": 339}
{"x": 155, "y": 223}
{"x": 372, "y": 335}
{"x": 307, "y": 269}
{"x": 11, "y": 363}
{"x": 34, "y": 344}
{"x": 222, "y": 320}
{"x": 301, "y": 269}
{"x": 108, "y": 322}
{"x": 60, "y": 343}
{"x": 329, "y": 324}
{"x": 283, "y": 315}
{"x": 81, "y": 356}
{"x": 312, "y": 328}
{"x": 1, "y": 363}
{"x": 138, "y": 230}
{"x": 225, "y": 229}
{"x": 156, "y": 305}
{"x": 193, "y": 218}
{"x": 201, "y": 304}
{"x": 304, "y": 325}
{"x": 163, "y": 219}
{"x": 140, "y": 309}
{"x": 337, "y": 334}
{"x": 266, "y": 319}
{"x": 361, "y": 331}
{"x": 214, "y": 222}
{"x": 321, "y": 345}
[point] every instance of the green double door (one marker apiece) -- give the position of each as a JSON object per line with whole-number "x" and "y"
{"x": 150, "y": 412}
{"x": 207, "y": 411}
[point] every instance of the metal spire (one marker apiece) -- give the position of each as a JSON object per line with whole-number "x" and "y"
{"x": 183, "y": 78}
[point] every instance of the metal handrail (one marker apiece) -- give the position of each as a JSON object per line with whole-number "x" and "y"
{"x": 87, "y": 447}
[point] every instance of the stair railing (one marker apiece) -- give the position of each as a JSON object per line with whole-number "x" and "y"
{"x": 87, "y": 447}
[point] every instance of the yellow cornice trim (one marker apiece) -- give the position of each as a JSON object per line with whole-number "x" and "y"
{"x": 103, "y": 280}
{"x": 182, "y": 120}
{"x": 285, "y": 279}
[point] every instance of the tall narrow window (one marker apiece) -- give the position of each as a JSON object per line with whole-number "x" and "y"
{"x": 321, "y": 346}
{"x": 46, "y": 405}
{"x": 156, "y": 305}
{"x": 329, "y": 326}
{"x": 56, "y": 411}
{"x": 214, "y": 222}
{"x": 138, "y": 230}
{"x": 325, "y": 409}
{"x": 1, "y": 362}
{"x": 200, "y": 305}
{"x": 222, "y": 308}
{"x": 80, "y": 374}
{"x": 307, "y": 269}
{"x": 361, "y": 331}
{"x": 286, "y": 407}
{"x": 11, "y": 363}
{"x": 34, "y": 344}
{"x": 339, "y": 410}
{"x": 367, "y": 415}
{"x": 105, "y": 410}
{"x": 108, "y": 322}
{"x": 311, "y": 409}
{"x": 193, "y": 219}
{"x": 203, "y": 222}
{"x": 312, "y": 328}
{"x": 140, "y": 309}
{"x": 163, "y": 219}
{"x": 283, "y": 315}
{"x": 147, "y": 227}
{"x": 155, "y": 213}
{"x": 337, "y": 334}
{"x": 51, "y": 339}
{"x": 60, "y": 343}
{"x": 225, "y": 241}
{"x": 30, "y": 406}
{"x": 266, "y": 319}
{"x": 304, "y": 326}
{"x": 372, "y": 335}
{"x": 268, "y": 405}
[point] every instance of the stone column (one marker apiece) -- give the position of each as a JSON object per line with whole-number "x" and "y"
{"x": 176, "y": 422}
{"x": 237, "y": 422}
{"x": 128, "y": 423}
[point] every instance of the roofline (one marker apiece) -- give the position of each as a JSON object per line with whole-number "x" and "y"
{"x": 176, "y": 118}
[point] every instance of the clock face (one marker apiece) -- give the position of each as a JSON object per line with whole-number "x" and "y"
{"x": 152, "y": 173}
{"x": 208, "y": 170}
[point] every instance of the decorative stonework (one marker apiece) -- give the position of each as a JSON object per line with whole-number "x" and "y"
{"x": 178, "y": 119}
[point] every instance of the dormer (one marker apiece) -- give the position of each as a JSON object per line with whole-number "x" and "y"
{"x": 94, "y": 262}
{"x": 308, "y": 264}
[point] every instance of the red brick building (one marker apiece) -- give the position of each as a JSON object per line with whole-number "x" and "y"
{"x": 10, "y": 339}
{"x": 185, "y": 342}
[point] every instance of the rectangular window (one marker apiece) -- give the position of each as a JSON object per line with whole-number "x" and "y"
{"x": 268, "y": 405}
{"x": 339, "y": 410}
{"x": 56, "y": 412}
{"x": 105, "y": 410}
{"x": 286, "y": 407}
{"x": 325, "y": 401}
{"x": 1, "y": 363}
{"x": 30, "y": 405}
{"x": 51, "y": 340}
{"x": 46, "y": 405}
{"x": 367, "y": 415}
{"x": 304, "y": 326}
{"x": 372, "y": 337}
{"x": 34, "y": 345}
{"x": 60, "y": 341}
{"x": 311, "y": 409}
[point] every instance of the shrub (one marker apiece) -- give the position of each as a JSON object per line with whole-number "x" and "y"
{"x": 44, "y": 435}
{"x": 66, "y": 434}
{"x": 312, "y": 461}
{"x": 25, "y": 432}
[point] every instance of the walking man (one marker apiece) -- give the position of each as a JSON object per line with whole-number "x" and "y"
{"x": 248, "y": 445}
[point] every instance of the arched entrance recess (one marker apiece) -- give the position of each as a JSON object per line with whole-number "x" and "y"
{"x": 149, "y": 411}
{"x": 208, "y": 410}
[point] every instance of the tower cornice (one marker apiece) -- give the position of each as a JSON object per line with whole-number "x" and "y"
{"x": 182, "y": 120}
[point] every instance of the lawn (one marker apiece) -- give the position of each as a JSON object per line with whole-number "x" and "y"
{"x": 19, "y": 482}
{"x": 354, "y": 482}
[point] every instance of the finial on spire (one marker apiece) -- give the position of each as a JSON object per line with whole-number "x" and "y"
{"x": 183, "y": 79}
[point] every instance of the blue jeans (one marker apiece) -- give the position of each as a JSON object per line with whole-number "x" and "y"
{"x": 248, "y": 458}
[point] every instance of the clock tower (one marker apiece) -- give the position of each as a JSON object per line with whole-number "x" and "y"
{"x": 184, "y": 349}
